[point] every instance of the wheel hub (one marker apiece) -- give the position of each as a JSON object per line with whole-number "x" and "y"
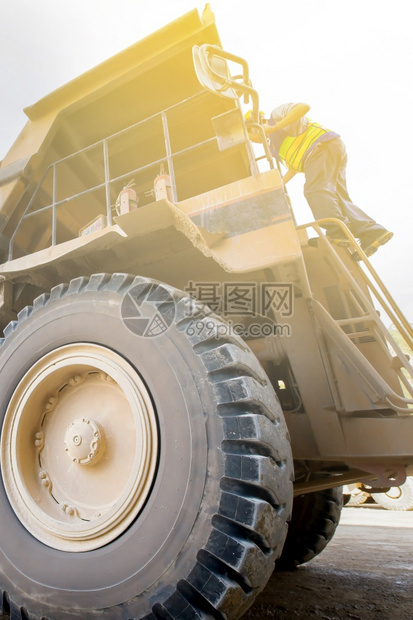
{"x": 83, "y": 441}
{"x": 76, "y": 482}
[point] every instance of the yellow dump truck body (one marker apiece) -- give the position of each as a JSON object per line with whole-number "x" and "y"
{"x": 165, "y": 322}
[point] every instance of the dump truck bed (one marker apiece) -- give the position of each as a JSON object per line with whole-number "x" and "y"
{"x": 123, "y": 118}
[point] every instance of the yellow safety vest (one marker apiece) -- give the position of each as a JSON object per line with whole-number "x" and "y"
{"x": 294, "y": 148}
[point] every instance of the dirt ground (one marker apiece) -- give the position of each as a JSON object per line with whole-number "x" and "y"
{"x": 365, "y": 573}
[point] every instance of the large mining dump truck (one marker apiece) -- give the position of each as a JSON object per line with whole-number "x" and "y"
{"x": 183, "y": 375}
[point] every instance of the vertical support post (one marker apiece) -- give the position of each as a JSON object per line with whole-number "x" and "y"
{"x": 54, "y": 218}
{"x": 107, "y": 179}
{"x": 169, "y": 156}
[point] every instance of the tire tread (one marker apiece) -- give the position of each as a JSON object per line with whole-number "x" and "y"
{"x": 314, "y": 521}
{"x": 256, "y": 487}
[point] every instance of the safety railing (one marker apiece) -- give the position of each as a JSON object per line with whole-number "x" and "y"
{"x": 166, "y": 160}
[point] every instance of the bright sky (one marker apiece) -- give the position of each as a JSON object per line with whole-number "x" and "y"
{"x": 349, "y": 59}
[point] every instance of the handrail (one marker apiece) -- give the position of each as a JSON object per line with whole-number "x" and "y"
{"x": 361, "y": 365}
{"x": 203, "y": 58}
{"x": 386, "y": 301}
{"x": 107, "y": 180}
{"x": 370, "y": 314}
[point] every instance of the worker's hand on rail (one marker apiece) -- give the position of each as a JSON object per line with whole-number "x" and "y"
{"x": 255, "y": 136}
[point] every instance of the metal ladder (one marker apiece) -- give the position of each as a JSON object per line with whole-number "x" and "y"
{"x": 362, "y": 321}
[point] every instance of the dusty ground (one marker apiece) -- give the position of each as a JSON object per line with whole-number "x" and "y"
{"x": 366, "y": 573}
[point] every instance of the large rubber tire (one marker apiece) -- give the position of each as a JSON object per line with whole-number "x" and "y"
{"x": 213, "y": 520}
{"x": 314, "y": 521}
{"x": 397, "y": 498}
{"x": 357, "y": 497}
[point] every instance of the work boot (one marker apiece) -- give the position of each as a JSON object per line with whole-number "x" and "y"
{"x": 382, "y": 238}
{"x": 372, "y": 243}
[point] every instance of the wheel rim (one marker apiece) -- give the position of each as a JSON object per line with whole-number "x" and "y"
{"x": 79, "y": 447}
{"x": 394, "y": 493}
